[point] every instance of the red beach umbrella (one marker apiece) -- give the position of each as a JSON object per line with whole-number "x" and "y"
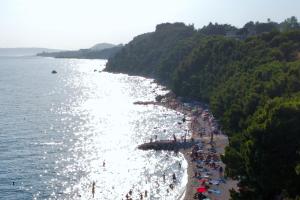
{"x": 201, "y": 189}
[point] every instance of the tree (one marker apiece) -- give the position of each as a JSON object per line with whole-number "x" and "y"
{"x": 269, "y": 151}
{"x": 290, "y": 24}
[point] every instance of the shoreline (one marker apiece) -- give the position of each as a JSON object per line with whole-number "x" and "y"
{"x": 200, "y": 128}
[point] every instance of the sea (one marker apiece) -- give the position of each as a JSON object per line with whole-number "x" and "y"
{"x": 61, "y": 132}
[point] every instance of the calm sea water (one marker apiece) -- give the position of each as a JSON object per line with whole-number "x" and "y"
{"x": 56, "y": 130}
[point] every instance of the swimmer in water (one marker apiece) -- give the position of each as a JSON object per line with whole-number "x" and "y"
{"x": 174, "y": 177}
{"x": 93, "y": 188}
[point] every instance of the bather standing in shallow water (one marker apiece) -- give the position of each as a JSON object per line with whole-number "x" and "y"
{"x": 93, "y": 188}
{"x": 174, "y": 177}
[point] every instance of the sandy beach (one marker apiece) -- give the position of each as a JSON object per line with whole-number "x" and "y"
{"x": 200, "y": 127}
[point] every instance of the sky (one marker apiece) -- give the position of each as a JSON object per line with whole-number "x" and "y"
{"x": 75, "y": 24}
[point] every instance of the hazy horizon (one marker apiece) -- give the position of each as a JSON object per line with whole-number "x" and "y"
{"x": 81, "y": 24}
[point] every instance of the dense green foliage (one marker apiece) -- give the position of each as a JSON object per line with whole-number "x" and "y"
{"x": 251, "y": 79}
{"x": 268, "y": 152}
{"x": 146, "y": 51}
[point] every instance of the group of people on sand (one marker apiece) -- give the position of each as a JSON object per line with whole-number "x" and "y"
{"x": 207, "y": 162}
{"x": 209, "y": 170}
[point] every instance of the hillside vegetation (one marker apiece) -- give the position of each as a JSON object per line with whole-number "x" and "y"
{"x": 99, "y": 51}
{"x": 250, "y": 77}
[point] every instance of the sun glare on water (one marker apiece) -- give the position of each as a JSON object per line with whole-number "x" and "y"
{"x": 107, "y": 134}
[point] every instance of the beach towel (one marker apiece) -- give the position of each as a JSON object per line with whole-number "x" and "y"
{"x": 218, "y": 192}
{"x": 215, "y": 182}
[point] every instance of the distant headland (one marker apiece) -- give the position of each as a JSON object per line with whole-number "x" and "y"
{"x": 30, "y": 51}
{"x": 98, "y": 51}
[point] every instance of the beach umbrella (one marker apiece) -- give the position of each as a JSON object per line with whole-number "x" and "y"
{"x": 201, "y": 189}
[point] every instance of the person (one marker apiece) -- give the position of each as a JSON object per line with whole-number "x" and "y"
{"x": 103, "y": 164}
{"x": 211, "y": 137}
{"x": 141, "y": 196}
{"x": 93, "y": 188}
{"x": 196, "y": 175}
{"x": 221, "y": 171}
{"x": 174, "y": 137}
{"x": 179, "y": 165}
{"x": 164, "y": 177}
{"x": 174, "y": 177}
{"x": 176, "y": 152}
{"x": 146, "y": 193}
{"x": 157, "y": 184}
